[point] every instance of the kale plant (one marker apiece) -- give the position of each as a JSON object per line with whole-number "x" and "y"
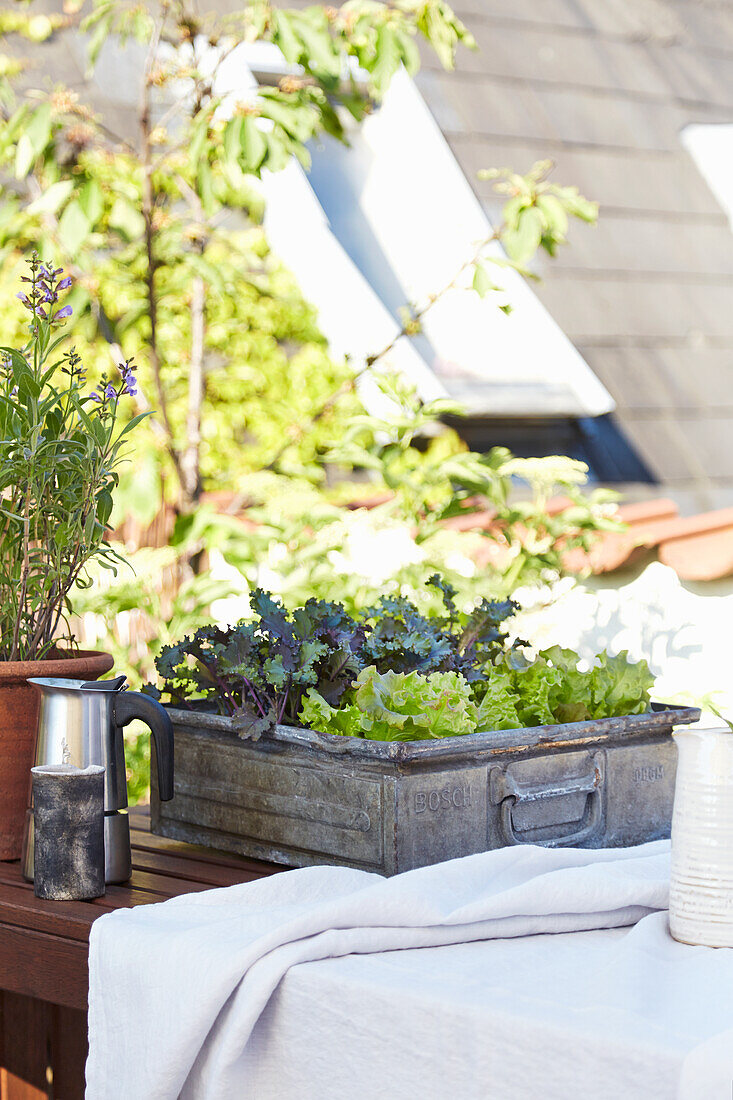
{"x": 400, "y": 639}
{"x": 259, "y": 671}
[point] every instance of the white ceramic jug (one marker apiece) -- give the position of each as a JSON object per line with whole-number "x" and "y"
{"x": 701, "y": 890}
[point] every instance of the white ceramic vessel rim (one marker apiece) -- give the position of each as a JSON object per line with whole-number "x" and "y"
{"x": 701, "y": 732}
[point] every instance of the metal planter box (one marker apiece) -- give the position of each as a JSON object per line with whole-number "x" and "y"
{"x": 298, "y": 797}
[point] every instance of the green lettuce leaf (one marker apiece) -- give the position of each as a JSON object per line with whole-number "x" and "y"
{"x": 571, "y": 698}
{"x": 319, "y": 715}
{"x": 620, "y": 686}
{"x": 400, "y": 706}
{"x": 498, "y": 708}
{"x": 535, "y": 687}
{"x": 552, "y": 689}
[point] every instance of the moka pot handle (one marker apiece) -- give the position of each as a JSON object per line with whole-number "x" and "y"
{"x": 129, "y": 705}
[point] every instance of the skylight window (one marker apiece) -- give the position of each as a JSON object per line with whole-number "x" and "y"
{"x": 711, "y": 147}
{"x": 388, "y": 221}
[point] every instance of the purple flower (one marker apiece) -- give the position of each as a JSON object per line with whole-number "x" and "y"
{"x": 110, "y": 392}
{"x": 24, "y": 299}
{"x": 129, "y": 383}
{"x": 95, "y": 396}
{"x": 65, "y": 311}
{"x": 65, "y": 283}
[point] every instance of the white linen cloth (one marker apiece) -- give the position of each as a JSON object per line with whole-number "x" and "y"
{"x": 181, "y": 996}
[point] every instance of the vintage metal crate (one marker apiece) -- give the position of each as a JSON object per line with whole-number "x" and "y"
{"x": 299, "y": 798}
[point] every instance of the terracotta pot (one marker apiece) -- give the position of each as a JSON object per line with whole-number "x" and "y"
{"x": 19, "y": 702}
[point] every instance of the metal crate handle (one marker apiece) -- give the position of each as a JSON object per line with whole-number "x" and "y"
{"x": 591, "y": 785}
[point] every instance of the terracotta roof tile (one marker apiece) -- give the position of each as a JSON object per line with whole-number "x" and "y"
{"x": 644, "y": 511}
{"x": 705, "y": 556}
{"x": 697, "y": 547}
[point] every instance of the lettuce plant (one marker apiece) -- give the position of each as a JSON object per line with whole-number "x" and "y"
{"x": 552, "y": 689}
{"x": 513, "y": 694}
{"x": 397, "y": 706}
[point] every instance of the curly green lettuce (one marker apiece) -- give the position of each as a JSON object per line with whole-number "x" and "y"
{"x": 515, "y": 694}
{"x": 498, "y": 708}
{"x": 619, "y": 686}
{"x": 552, "y": 689}
{"x": 397, "y": 706}
{"x": 319, "y": 715}
{"x": 400, "y": 706}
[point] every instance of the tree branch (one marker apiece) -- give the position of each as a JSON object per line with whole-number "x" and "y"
{"x": 190, "y": 459}
{"x": 148, "y": 207}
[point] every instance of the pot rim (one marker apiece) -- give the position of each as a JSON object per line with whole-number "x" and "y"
{"x": 595, "y": 731}
{"x": 12, "y": 672}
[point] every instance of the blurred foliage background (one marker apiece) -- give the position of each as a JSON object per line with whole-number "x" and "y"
{"x": 259, "y": 447}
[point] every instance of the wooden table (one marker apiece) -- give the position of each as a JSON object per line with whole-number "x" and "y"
{"x": 44, "y": 957}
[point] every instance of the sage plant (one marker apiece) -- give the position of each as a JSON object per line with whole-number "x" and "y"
{"x": 60, "y": 450}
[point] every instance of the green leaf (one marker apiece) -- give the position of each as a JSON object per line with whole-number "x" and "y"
{"x": 387, "y": 60}
{"x": 233, "y": 138}
{"x": 443, "y": 30}
{"x": 74, "y": 227}
{"x": 19, "y": 363}
{"x": 297, "y": 120}
{"x": 482, "y": 284}
{"x": 205, "y": 186}
{"x": 278, "y": 152}
{"x": 197, "y": 141}
{"x": 34, "y": 139}
{"x": 576, "y": 205}
{"x": 409, "y": 706}
{"x": 619, "y": 686}
{"x": 522, "y": 243}
{"x": 52, "y": 198}
{"x": 316, "y": 714}
{"x": 512, "y": 210}
{"x": 319, "y": 54}
{"x": 104, "y": 507}
{"x": 91, "y": 201}
{"x": 253, "y": 145}
{"x": 24, "y": 157}
{"x": 536, "y": 686}
{"x": 285, "y": 37}
{"x": 498, "y": 708}
{"x": 126, "y": 219}
{"x": 554, "y": 214}
{"x": 410, "y": 52}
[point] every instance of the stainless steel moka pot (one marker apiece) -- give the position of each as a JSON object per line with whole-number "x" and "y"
{"x": 81, "y": 723}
